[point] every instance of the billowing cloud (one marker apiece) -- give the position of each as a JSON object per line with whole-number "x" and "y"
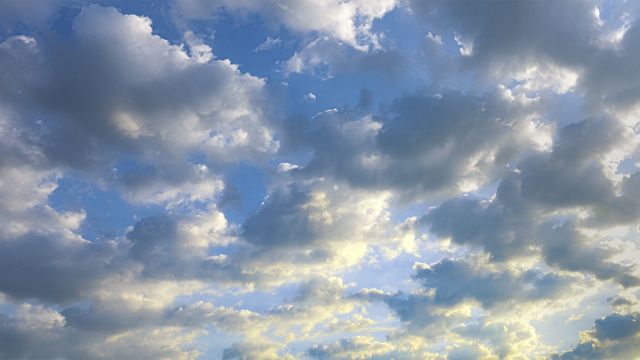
{"x": 614, "y": 336}
{"x": 431, "y": 145}
{"x": 173, "y": 103}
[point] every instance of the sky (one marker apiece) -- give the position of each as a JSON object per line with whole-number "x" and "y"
{"x": 320, "y": 179}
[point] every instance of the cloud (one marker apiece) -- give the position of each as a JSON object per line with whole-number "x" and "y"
{"x": 301, "y": 229}
{"x": 464, "y": 142}
{"x": 342, "y": 30}
{"x": 268, "y": 44}
{"x": 359, "y": 346}
{"x": 574, "y": 317}
{"x": 346, "y": 21}
{"x": 613, "y": 336}
{"x": 510, "y": 176}
{"x": 171, "y": 185}
{"x": 164, "y": 84}
{"x": 522, "y": 219}
{"x": 36, "y": 332}
{"x": 532, "y": 43}
{"x": 531, "y": 32}
{"x": 455, "y": 281}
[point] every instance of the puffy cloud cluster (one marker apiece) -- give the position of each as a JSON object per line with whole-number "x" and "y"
{"x": 614, "y": 336}
{"x": 524, "y": 218}
{"x": 424, "y": 145}
{"x": 115, "y": 89}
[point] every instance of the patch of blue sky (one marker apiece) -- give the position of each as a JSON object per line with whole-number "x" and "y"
{"x": 62, "y": 22}
{"x": 163, "y": 24}
{"x": 108, "y": 215}
{"x": 388, "y": 275}
{"x": 7, "y": 309}
{"x": 249, "y": 180}
{"x": 237, "y": 38}
{"x": 629, "y": 165}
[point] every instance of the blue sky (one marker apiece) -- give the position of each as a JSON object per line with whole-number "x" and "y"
{"x": 304, "y": 179}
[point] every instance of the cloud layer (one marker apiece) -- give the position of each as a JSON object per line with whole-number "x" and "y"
{"x": 391, "y": 180}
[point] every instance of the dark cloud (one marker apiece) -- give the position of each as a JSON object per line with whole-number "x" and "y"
{"x": 426, "y": 144}
{"x": 505, "y": 39}
{"x": 503, "y": 30}
{"x": 281, "y": 221}
{"x": 57, "y": 268}
{"x": 518, "y": 221}
{"x": 455, "y": 281}
{"x": 231, "y": 198}
{"x": 612, "y": 337}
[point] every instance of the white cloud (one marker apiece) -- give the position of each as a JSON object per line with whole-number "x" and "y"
{"x": 268, "y": 44}
{"x": 574, "y": 317}
{"x": 347, "y": 21}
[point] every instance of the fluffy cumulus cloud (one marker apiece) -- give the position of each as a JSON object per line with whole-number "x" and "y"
{"x": 320, "y": 180}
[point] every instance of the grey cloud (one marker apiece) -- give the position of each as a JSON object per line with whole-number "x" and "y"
{"x": 165, "y": 253}
{"x": 172, "y": 184}
{"x": 281, "y": 221}
{"x": 574, "y": 173}
{"x": 509, "y": 37}
{"x": 455, "y": 281}
{"x": 416, "y": 311}
{"x": 56, "y": 268}
{"x": 520, "y": 29}
{"x": 100, "y": 97}
{"x": 156, "y": 244}
{"x": 518, "y": 221}
{"x": 424, "y": 145}
{"x": 503, "y": 227}
{"x": 365, "y": 100}
{"x": 621, "y": 302}
{"x": 311, "y": 224}
{"x": 390, "y": 63}
{"x": 21, "y": 342}
{"x": 504, "y": 233}
{"x": 612, "y": 337}
{"x": 617, "y": 327}
{"x": 565, "y": 248}
{"x": 106, "y": 319}
{"x": 614, "y": 75}
{"x": 62, "y": 268}
{"x": 231, "y": 198}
